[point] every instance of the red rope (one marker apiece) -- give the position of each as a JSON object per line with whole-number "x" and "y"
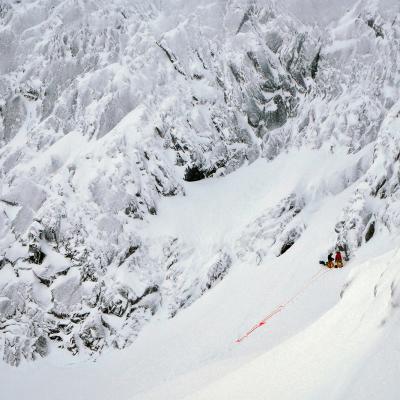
{"x": 282, "y": 306}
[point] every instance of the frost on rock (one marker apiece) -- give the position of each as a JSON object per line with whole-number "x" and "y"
{"x": 106, "y": 110}
{"x": 275, "y": 231}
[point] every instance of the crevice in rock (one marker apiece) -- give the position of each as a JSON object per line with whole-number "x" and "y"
{"x": 377, "y": 29}
{"x": 171, "y": 58}
{"x": 370, "y": 231}
{"x": 314, "y": 64}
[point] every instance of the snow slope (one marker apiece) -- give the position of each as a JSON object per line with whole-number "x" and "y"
{"x": 350, "y": 352}
{"x": 171, "y": 172}
{"x": 175, "y": 358}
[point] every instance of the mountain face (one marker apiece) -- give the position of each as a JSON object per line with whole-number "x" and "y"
{"x": 107, "y": 108}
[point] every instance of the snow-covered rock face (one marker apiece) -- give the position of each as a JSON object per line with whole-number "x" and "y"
{"x": 107, "y": 107}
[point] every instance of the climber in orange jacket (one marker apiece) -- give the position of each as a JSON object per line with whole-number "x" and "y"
{"x": 330, "y": 263}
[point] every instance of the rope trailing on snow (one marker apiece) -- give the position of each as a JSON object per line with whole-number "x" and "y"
{"x": 278, "y": 309}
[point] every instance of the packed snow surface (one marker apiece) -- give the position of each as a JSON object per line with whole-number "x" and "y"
{"x": 172, "y": 172}
{"x": 315, "y": 338}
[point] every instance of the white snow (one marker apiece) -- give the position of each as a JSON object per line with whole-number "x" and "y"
{"x": 315, "y": 346}
{"x": 104, "y": 105}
